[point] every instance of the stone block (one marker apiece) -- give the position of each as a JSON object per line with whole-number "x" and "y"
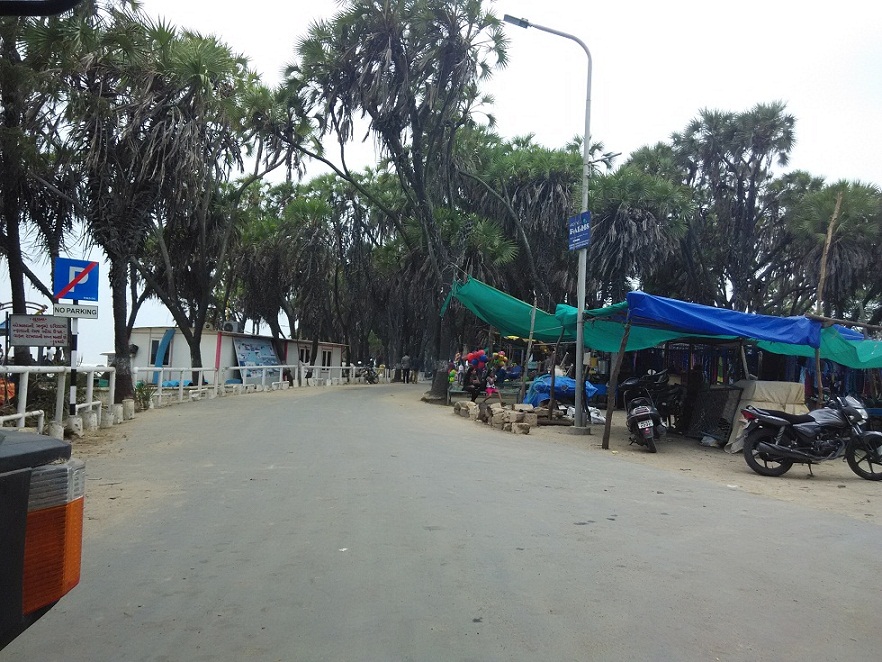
{"x": 514, "y": 416}
{"x": 90, "y": 421}
{"x": 74, "y": 426}
{"x": 520, "y": 428}
{"x": 107, "y": 417}
{"x": 523, "y": 407}
{"x": 531, "y": 419}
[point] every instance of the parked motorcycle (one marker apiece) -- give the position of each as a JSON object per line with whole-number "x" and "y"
{"x": 776, "y": 440}
{"x": 644, "y": 422}
{"x": 667, "y": 398}
{"x": 367, "y": 373}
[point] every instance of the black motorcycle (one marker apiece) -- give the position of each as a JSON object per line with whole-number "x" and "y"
{"x": 667, "y": 398}
{"x": 367, "y": 373}
{"x": 644, "y": 422}
{"x": 776, "y": 440}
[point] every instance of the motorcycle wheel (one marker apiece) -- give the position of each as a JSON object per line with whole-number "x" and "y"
{"x": 865, "y": 462}
{"x": 373, "y": 379}
{"x": 650, "y": 444}
{"x": 763, "y": 463}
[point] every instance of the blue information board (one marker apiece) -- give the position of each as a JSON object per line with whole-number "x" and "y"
{"x": 75, "y": 279}
{"x": 580, "y": 231}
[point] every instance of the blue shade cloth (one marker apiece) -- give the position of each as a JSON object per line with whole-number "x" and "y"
{"x": 671, "y": 314}
{"x": 174, "y": 383}
{"x": 564, "y": 389}
{"x": 656, "y": 320}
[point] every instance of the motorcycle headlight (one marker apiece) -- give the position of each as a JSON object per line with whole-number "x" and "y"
{"x": 856, "y": 410}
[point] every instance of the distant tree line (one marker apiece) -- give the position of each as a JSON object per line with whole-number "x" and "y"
{"x": 154, "y": 144}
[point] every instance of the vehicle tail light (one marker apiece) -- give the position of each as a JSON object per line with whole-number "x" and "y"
{"x": 54, "y": 533}
{"x": 748, "y": 415}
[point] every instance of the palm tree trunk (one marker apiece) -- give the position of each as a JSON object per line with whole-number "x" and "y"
{"x": 125, "y": 387}
{"x": 822, "y": 279}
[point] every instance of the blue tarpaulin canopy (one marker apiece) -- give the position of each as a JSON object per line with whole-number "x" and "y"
{"x": 656, "y": 320}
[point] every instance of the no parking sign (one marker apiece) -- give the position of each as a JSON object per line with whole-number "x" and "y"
{"x": 75, "y": 279}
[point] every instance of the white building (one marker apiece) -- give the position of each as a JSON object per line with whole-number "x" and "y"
{"x": 228, "y": 351}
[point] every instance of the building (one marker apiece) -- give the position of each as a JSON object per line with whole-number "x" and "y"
{"x": 231, "y": 352}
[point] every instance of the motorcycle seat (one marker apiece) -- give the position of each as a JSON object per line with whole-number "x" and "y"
{"x": 793, "y": 419}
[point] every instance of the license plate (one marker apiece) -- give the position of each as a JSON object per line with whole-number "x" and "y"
{"x": 644, "y": 424}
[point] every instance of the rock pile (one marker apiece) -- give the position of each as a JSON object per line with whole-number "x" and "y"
{"x": 517, "y": 419}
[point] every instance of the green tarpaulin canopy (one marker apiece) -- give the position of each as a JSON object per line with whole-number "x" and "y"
{"x": 604, "y": 328}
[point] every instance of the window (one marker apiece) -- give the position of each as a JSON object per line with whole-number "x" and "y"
{"x": 154, "y": 349}
{"x": 304, "y": 355}
{"x": 326, "y": 357}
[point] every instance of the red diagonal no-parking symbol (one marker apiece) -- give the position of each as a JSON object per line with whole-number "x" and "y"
{"x": 79, "y": 277}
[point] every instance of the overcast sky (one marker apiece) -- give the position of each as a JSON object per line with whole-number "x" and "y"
{"x": 655, "y": 65}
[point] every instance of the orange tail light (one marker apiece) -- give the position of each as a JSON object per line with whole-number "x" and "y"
{"x": 54, "y": 534}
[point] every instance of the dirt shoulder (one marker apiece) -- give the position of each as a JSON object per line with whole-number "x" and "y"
{"x": 834, "y": 487}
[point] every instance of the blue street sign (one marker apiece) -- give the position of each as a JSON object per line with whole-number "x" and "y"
{"x": 580, "y": 231}
{"x": 75, "y": 279}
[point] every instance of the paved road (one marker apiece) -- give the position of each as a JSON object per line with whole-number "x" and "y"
{"x": 360, "y": 524}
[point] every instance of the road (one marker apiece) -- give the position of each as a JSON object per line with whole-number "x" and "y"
{"x": 358, "y": 523}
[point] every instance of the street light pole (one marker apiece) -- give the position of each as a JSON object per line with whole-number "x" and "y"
{"x": 583, "y": 252}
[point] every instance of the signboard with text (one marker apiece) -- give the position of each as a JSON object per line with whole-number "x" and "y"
{"x": 75, "y": 279}
{"x": 38, "y": 331}
{"x": 580, "y": 231}
{"x": 75, "y": 310}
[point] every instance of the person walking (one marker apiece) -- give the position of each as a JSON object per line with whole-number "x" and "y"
{"x": 405, "y": 368}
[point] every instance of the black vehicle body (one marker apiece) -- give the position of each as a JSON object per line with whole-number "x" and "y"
{"x": 367, "y": 373}
{"x": 667, "y": 398}
{"x": 645, "y": 424}
{"x": 775, "y": 440}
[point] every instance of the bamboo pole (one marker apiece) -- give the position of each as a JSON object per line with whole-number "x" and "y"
{"x": 525, "y": 367}
{"x": 744, "y": 360}
{"x": 822, "y": 280}
{"x": 551, "y": 402}
{"x": 614, "y": 384}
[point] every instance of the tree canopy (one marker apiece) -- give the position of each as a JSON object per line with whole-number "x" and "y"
{"x": 161, "y": 147}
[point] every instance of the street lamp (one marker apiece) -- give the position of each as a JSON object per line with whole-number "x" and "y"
{"x": 583, "y": 252}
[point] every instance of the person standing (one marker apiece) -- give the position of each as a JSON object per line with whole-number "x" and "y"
{"x": 405, "y": 368}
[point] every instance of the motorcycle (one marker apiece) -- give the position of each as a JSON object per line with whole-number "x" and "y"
{"x": 667, "y": 398}
{"x": 775, "y": 440}
{"x": 643, "y": 419}
{"x": 367, "y": 373}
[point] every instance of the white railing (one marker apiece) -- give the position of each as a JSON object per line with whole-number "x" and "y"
{"x": 157, "y": 377}
{"x": 61, "y": 395}
{"x": 271, "y": 377}
{"x": 301, "y": 374}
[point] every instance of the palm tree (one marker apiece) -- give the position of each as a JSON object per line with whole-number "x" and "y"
{"x": 413, "y": 69}
{"x": 190, "y": 94}
{"x": 727, "y": 158}
{"x": 839, "y": 227}
{"x": 36, "y": 189}
{"x": 637, "y": 220}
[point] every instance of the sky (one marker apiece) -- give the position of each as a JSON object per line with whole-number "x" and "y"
{"x": 655, "y": 65}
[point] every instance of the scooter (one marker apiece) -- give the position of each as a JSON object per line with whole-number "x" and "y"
{"x": 644, "y": 422}
{"x": 668, "y": 398}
